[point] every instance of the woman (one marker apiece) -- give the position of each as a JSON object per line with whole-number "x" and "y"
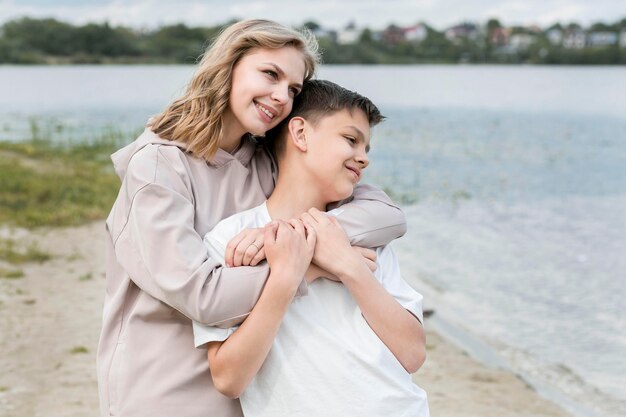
{"x": 194, "y": 165}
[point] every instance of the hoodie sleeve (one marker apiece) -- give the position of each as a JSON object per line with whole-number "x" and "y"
{"x": 370, "y": 218}
{"x": 159, "y": 248}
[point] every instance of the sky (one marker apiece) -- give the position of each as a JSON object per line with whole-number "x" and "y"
{"x": 332, "y": 14}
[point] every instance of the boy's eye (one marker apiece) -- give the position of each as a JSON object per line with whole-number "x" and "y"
{"x": 350, "y": 139}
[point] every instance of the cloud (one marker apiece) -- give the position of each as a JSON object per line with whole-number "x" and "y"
{"x": 330, "y": 13}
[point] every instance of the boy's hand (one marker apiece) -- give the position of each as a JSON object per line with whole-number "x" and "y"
{"x": 245, "y": 249}
{"x": 368, "y": 255}
{"x": 332, "y": 250}
{"x": 289, "y": 247}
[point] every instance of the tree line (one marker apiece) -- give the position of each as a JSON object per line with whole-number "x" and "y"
{"x": 49, "y": 41}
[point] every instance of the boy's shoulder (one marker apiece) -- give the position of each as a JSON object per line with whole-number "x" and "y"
{"x": 255, "y": 217}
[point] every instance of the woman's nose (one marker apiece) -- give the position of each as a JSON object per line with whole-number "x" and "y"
{"x": 281, "y": 94}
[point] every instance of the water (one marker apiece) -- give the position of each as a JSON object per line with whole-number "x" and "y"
{"x": 512, "y": 179}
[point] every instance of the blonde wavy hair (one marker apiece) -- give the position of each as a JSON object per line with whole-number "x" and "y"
{"x": 195, "y": 118}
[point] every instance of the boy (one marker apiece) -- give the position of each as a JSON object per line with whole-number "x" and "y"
{"x": 346, "y": 348}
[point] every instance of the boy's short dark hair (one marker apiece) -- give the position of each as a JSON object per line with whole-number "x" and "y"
{"x": 320, "y": 98}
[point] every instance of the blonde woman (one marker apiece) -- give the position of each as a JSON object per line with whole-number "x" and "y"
{"x": 195, "y": 164}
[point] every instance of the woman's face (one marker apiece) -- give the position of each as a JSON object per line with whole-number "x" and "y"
{"x": 264, "y": 83}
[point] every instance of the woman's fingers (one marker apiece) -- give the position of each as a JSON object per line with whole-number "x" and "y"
{"x": 369, "y": 256}
{"x": 232, "y": 246}
{"x": 260, "y": 256}
{"x": 243, "y": 247}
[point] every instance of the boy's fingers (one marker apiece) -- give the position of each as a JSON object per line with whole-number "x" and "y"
{"x": 311, "y": 237}
{"x": 307, "y": 218}
{"x": 297, "y": 226}
{"x": 269, "y": 233}
{"x": 319, "y": 216}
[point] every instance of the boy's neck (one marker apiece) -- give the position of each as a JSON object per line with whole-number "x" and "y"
{"x": 292, "y": 197}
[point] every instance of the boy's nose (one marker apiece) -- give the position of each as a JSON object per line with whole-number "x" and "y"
{"x": 363, "y": 159}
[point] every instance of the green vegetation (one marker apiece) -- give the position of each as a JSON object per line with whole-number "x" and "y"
{"x": 11, "y": 254}
{"x": 55, "y": 184}
{"x": 79, "y": 349}
{"x": 11, "y": 274}
{"x": 86, "y": 277}
{"x": 48, "y": 41}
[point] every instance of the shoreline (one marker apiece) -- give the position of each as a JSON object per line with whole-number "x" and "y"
{"x": 51, "y": 321}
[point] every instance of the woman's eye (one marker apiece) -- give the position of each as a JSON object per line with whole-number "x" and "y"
{"x": 294, "y": 91}
{"x": 350, "y": 139}
{"x": 272, "y": 74}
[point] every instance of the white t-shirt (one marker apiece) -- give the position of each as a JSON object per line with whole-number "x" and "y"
{"x": 325, "y": 359}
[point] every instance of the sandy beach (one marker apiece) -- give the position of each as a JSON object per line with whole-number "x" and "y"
{"x": 50, "y": 320}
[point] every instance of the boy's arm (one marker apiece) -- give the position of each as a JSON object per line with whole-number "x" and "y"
{"x": 398, "y": 329}
{"x": 235, "y": 361}
{"x": 371, "y": 219}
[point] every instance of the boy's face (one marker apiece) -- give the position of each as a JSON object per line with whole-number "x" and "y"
{"x": 337, "y": 147}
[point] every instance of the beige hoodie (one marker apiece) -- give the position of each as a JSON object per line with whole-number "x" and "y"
{"x": 159, "y": 276}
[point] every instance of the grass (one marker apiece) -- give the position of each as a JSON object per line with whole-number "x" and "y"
{"x": 79, "y": 349}
{"x": 10, "y": 253}
{"x": 45, "y": 183}
{"x": 11, "y": 274}
{"x": 86, "y": 277}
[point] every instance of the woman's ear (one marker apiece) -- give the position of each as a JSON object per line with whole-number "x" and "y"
{"x": 297, "y": 133}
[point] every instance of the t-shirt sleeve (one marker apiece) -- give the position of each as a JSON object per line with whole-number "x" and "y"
{"x": 203, "y": 334}
{"x": 388, "y": 273}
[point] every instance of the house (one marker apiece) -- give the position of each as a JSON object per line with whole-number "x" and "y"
{"x": 463, "y": 31}
{"x": 325, "y": 34}
{"x": 349, "y": 35}
{"x": 416, "y": 33}
{"x": 500, "y": 36}
{"x": 393, "y": 35}
{"x": 574, "y": 39}
{"x": 602, "y": 39}
{"x": 521, "y": 41}
{"x": 555, "y": 36}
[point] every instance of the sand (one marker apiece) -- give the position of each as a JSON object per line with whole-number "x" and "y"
{"x": 50, "y": 320}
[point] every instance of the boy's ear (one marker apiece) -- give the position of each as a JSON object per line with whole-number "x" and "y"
{"x": 297, "y": 132}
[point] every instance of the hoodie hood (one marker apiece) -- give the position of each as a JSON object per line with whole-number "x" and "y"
{"x": 122, "y": 157}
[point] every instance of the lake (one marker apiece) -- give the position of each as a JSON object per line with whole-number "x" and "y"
{"x": 513, "y": 180}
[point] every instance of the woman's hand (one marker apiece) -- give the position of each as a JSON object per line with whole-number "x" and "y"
{"x": 289, "y": 248}
{"x": 245, "y": 249}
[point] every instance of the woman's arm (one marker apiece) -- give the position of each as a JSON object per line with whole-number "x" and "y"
{"x": 399, "y": 330}
{"x": 155, "y": 242}
{"x": 370, "y": 218}
{"x": 235, "y": 361}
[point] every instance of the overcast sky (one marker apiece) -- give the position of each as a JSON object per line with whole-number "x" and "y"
{"x": 329, "y": 13}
